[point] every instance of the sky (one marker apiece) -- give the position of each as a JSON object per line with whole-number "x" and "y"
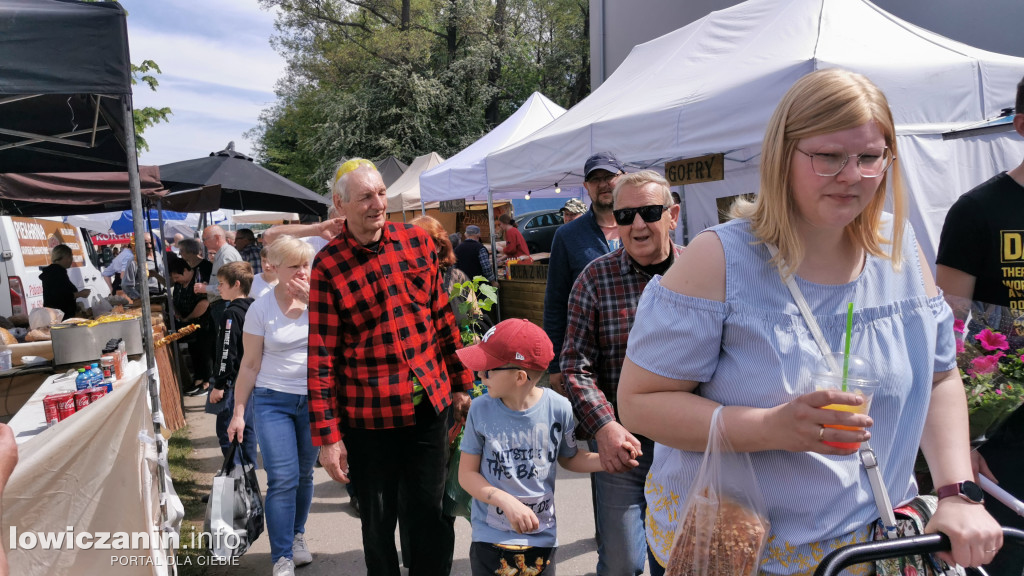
{"x": 219, "y": 72}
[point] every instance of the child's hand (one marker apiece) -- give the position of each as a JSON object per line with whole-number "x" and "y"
{"x": 632, "y": 452}
{"x": 216, "y": 395}
{"x": 520, "y": 517}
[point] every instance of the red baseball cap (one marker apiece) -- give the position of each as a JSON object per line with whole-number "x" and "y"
{"x": 515, "y": 341}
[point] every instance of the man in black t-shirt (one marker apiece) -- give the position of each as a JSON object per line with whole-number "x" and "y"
{"x": 981, "y": 258}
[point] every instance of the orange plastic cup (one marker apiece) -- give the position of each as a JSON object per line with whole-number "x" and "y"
{"x": 860, "y": 380}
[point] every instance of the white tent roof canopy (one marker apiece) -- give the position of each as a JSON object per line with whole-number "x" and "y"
{"x": 464, "y": 175}
{"x": 711, "y": 86}
{"x": 404, "y": 194}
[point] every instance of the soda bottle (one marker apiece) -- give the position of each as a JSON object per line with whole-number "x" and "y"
{"x": 108, "y": 379}
{"x": 83, "y": 380}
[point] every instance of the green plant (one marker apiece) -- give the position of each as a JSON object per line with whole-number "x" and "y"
{"x": 471, "y": 297}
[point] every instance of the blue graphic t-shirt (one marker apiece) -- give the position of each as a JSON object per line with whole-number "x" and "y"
{"x": 519, "y": 454}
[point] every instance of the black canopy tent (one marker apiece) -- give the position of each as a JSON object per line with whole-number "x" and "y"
{"x": 66, "y": 106}
{"x": 64, "y": 82}
{"x": 244, "y": 184}
{"x": 391, "y": 169}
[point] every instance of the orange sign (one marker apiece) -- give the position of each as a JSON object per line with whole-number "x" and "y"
{"x": 37, "y": 237}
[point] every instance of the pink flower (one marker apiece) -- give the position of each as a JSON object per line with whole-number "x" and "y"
{"x": 998, "y": 391}
{"x": 992, "y": 340}
{"x": 985, "y": 364}
{"x": 960, "y": 347}
{"x": 909, "y": 571}
{"x": 958, "y": 326}
{"x": 1022, "y": 357}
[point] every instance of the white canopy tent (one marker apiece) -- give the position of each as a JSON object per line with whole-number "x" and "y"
{"x": 404, "y": 194}
{"x": 263, "y": 217}
{"x": 711, "y": 86}
{"x": 465, "y": 174}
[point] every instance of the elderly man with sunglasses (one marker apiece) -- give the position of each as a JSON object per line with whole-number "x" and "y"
{"x": 602, "y": 306}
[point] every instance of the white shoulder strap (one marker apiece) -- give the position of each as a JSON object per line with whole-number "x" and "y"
{"x": 867, "y": 455}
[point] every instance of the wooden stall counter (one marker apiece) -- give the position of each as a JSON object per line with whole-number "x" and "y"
{"x": 521, "y": 294}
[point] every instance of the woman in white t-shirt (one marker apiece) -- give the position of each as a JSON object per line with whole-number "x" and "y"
{"x": 265, "y": 281}
{"x": 273, "y": 369}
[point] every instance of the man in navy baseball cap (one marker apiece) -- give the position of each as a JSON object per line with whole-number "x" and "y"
{"x": 602, "y": 161}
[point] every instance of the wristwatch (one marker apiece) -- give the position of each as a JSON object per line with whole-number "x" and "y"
{"x": 967, "y": 490}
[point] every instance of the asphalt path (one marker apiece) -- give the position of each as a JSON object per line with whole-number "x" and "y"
{"x": 333, "y": 530}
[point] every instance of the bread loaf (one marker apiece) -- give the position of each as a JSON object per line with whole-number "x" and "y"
{"x": 6, "y": 338}
{"x": 720, "y": 538}
{"x": 38, "y": 335}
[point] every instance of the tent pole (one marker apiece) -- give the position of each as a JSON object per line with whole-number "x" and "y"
{"x": 152, "y": 378}
{"x": 175, "y": 351}
{"x": 494, "y": 244}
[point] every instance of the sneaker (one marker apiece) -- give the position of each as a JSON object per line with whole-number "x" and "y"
{"x": 284, "y": 567}
{"x": 300, "y": 553}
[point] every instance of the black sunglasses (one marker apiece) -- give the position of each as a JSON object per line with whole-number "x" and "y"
{"x": 625, "y": 216}
{"x": 486, "y": 375}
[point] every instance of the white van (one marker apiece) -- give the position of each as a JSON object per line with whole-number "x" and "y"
{"x": 25, "y": 245}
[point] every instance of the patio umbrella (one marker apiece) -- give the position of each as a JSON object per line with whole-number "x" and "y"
{"x": 245, "y": 185}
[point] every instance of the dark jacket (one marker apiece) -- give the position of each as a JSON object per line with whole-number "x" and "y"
{"x": 467, "y": 257}
{"x": 229, "y": 350}
{"x": 575, "y": 245}
{"x": 58, "y": 290}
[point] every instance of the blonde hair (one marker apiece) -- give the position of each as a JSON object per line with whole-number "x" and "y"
{"x": 822, "y": 102}
{"x": 289, "y": 250}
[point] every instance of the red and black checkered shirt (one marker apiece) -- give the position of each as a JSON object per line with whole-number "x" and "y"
{"x": 378, "y": 317}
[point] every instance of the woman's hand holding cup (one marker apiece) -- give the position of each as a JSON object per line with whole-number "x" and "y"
{"x": 804, "y": 423}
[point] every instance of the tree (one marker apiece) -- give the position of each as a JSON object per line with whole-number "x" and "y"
{"x": 406, "y": 77}
{"x": 148, "y": 116}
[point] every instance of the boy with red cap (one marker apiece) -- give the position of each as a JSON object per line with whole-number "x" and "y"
{"x": 512, "y": 439}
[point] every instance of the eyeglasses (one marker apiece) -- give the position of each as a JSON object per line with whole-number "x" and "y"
{"x": 625, "y": 216}
{"x": 602, "y": 179}
{"x": 870, "y": 164}
{"x": 486, "y": 373}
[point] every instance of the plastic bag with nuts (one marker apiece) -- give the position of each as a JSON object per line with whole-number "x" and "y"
{"x": 724, "y": 519}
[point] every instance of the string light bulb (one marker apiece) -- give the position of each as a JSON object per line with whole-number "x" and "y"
{"x": 558, "y": 189}
{"x": 528, "y": 193}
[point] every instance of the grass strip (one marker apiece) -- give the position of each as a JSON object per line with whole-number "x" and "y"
{"x": 179, "y": 456}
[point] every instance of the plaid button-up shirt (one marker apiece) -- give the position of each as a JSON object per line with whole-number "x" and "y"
{"x": 251, "y": 254}
{"x": 602, "y": 307}
{"x": 378, "y": 317}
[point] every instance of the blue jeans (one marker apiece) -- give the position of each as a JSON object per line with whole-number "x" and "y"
{"x": 621, "y": 507}
{"x": 282, "y": 426}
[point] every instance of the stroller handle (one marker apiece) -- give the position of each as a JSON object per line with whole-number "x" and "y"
{"x": 847, "y": 556}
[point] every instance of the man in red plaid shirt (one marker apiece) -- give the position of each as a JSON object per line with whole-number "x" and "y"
{"x": 383, "y": 375}
{"x": 602, "y": 306}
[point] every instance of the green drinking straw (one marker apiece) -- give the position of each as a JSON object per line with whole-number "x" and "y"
{"x": 849, "y": 336}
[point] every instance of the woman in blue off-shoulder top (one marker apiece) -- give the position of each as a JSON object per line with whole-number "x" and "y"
{"x": 721, "y": 328}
